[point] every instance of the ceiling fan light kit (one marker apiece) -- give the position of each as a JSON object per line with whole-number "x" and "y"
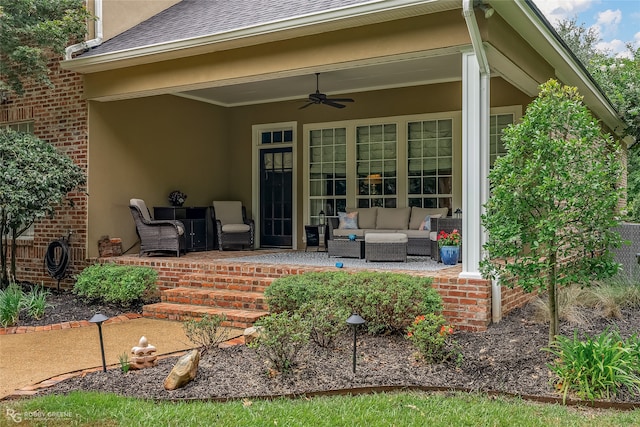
{"x": 321, "y": 98}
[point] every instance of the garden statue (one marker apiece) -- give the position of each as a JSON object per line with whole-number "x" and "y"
{"x": 143, "y": 355}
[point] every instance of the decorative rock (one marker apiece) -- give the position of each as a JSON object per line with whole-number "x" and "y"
{"x": 184, "y": 371}
{"x": 142, "y": 355}
{"x": 250, "y": 334}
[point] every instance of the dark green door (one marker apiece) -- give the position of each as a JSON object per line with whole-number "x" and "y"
{"x": 276, "y": 197}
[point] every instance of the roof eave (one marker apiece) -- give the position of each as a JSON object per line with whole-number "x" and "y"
{"x": 363, "y": 14}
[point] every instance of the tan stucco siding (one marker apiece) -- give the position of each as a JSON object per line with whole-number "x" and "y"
{"x": 146, "y": 148}
{"x": 120, "y": 15}
{"x": 418, "y": 34}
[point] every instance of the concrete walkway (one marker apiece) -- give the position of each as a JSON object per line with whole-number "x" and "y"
{"x": 32, "y": 357}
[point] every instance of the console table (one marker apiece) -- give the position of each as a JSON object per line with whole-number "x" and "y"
{"x": 198, "y": 225}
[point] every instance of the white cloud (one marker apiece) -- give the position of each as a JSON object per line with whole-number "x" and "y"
{"x": 608, "y": 21}
{"x": 557, "y": 10}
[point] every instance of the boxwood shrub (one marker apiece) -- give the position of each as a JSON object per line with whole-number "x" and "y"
{"x": 113, "y": 283}
{"x": 387, "y": 301}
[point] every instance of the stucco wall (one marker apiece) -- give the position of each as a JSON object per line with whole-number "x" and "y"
{"x": 146, "y": 148}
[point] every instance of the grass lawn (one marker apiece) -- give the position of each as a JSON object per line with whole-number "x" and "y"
{"x": 397, "y": 409}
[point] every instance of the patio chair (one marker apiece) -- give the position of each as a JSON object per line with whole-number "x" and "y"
{"x": 232, "y": 225}
{"x": 156, "y": 236}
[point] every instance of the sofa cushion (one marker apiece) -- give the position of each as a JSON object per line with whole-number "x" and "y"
{"x": 393, "y": 218}
{"x": 366, "y": 216}
{"x": 418, "y": 215}
{"x": 417, "y": 234}
{"x": 348, "y": 221}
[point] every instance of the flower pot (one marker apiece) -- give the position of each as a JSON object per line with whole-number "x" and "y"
{"x": 449, "y": 255}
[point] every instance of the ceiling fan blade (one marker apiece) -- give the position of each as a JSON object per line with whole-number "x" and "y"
{"x": 340, "y": 99}
{"x": 332, "y": 104}
{"x": 306, "y": 105}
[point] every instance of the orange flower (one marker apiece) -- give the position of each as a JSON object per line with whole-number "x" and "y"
{"x": 410, "y": 334}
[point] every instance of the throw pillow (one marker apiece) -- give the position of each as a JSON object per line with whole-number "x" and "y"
{"x": 426, "y": 224}
{"x": 348, "y": 221}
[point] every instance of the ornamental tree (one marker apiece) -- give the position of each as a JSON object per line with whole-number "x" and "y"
{"x": 552, "y": 208}
{"x": 34, "y": 180}
{"x": 32, "y": 30}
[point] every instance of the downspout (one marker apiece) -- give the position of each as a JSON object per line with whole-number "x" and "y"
{"x": 97, "y": 41}
{"x": 468, "y": 12}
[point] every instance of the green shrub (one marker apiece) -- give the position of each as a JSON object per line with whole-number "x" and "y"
{"x": 289, "y": 293}
{"x": 596, "y": 367}
{"x": 207, "y": 332}
{"x": 430, "y": 334}
{"x": 112, "y": 283}
{"x": 387, "y": 301}
{"x": 11, "y": 302}
{"x": 281, "y": 338}
{"x": 35, "y": 302}
{"x": 326, "y": 320}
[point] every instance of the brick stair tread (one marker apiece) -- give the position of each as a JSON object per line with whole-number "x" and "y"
{"x": 200, "y": 310}
{"x": 182, "y": 290}
{"x": 225, "y": 278}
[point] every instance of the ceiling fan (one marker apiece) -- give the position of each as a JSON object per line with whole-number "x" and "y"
{"x": 321, "y": 98}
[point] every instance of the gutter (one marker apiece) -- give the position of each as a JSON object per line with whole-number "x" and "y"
{"x": 97, "y": 41}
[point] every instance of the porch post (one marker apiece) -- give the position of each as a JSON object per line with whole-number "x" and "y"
{"x": 475, "y": 161}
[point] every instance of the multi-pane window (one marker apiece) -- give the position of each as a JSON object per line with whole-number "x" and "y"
{"x": 376, "y": 166}
{"x": 276, "y": 137}
{"x": 497, "y": 125}
{"x": 430, "y": 163}
{"x": 327, "y": 172}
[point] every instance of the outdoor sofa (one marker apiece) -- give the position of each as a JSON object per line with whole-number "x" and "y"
{"x": 415, "y": 222}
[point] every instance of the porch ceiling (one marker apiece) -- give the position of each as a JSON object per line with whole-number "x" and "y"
{"x": 353, "y": 78}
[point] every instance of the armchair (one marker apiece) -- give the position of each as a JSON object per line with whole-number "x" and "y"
{"x": 232, "y": 225}
{"x": 156, "y": 235}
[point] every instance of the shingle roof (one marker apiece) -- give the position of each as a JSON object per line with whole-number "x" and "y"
{"x": 196, "y": 18}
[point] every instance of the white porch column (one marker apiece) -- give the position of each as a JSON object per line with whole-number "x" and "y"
{"x": 475, "y": 161}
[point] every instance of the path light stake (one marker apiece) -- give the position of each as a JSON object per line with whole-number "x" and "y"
{"x": 98, "y": 319}
{"x": 354, "y": 320}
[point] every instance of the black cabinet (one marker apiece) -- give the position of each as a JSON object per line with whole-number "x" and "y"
{"x": 197, "y": 223}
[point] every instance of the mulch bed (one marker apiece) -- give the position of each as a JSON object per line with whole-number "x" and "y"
{"x": 505, "y": 358}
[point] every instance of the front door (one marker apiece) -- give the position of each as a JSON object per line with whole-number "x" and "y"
{"x": 276, "y": 197}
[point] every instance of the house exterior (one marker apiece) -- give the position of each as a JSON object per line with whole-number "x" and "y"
{"x": 206, "y": 96}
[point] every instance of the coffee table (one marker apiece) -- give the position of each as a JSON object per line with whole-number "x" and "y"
{"x": 346, "y": 248}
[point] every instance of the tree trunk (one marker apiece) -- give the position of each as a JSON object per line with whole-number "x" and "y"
{"x": 14, "y": 248}
{"x": 552, "y": 291}
{"x": 4, "y": 280}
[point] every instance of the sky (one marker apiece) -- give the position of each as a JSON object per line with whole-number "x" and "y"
{"x": 617, "y": 21}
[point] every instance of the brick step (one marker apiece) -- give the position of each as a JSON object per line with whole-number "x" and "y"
{"x": 181, "y": 312}
{"x": 227, "y": 282}
{"x": 212, "y": 297}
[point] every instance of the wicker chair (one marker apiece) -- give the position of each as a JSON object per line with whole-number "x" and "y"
{"x": 232, "y": 225}
{"x": 156, "y": 236}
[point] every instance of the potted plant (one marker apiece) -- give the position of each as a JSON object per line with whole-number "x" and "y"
{"x": 449, "y": 244}
{"x": 177, "y": 198}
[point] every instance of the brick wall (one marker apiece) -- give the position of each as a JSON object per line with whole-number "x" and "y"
{"x": 59, "y": 116}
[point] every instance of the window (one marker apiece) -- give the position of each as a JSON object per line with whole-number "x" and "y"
{"x": 497, "y": 124}
{"x": 430, "y": 163}
{"x": 327, "y": 172}
{"x": 277, "y": 137}
{"x": 376, "y": 164}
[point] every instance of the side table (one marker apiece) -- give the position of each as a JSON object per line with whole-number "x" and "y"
{"x": 346, "y": 248}
{"x": 313, "y": 237}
